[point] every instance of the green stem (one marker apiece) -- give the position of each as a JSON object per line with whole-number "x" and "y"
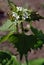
{"x": 17, "y": 28}
{"x": 26, "y": 59}
{"x": 22, "y": 27}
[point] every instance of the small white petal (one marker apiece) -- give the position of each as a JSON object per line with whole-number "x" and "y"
{"x": 17, "y": 17}
{"x": 19, "y": 8}
{"x": 23, "y": 18}
{"x": 14, "y": 14}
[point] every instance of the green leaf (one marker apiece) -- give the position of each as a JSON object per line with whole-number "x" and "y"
{"x": 37, "y": 33}
{"x": 13, "y": 61}
{"x": 23, "y": 42}
{"x": 12, "y": 6}
{"x": 7, "y": 58}
{"x": 39, "y": 61}
{"x": 6, "y": 25}
{"x": 5, "y": 38}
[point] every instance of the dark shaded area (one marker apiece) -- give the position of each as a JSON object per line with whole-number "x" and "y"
{"x": 1, "y": 14}
{"x": 3, "y": 56}
{"x": 3, "y": 17}
{"x": 43, "y": 64}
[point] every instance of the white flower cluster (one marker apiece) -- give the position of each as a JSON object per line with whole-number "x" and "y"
{"x": 25, "y": 13}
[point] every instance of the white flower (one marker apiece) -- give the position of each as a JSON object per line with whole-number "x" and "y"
{"x": 19, "y": 8}
{"x": 23, "y": 18}
{"x": 15, "y": 15}
{"x": 25, "y": 15}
